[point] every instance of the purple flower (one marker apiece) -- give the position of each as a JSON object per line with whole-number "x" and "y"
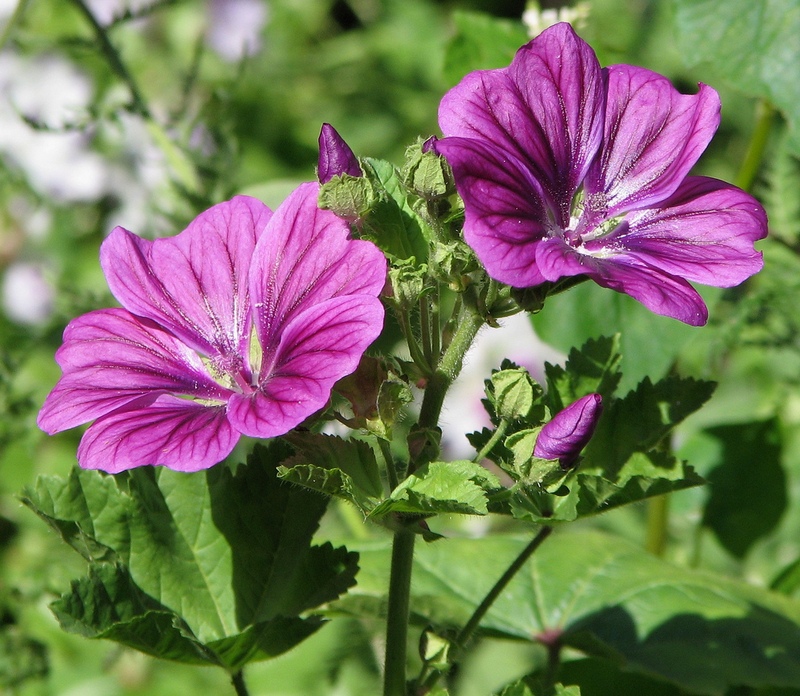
{"x": 335, "y": 156}
{"x": 568, "y": 169}
{"x": 567, "y": 433}
{"x": 239, "y": 325}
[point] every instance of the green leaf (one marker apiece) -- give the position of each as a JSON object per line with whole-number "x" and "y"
{"x": 609, "y": 599}
{"x": 649, "y": 343}
{"x": 519, "y": 688}
{"x": 330, "y": 465}
{"x": 481, "y": 42}
{"x": 748, "y": 44}
{"x": 748, "y": 487}
{"x": 21, "y": 658}
{"x": 441, "y": 487}
{"x": 225, "y": 558}
{"x": 780, "y": 193}
{"x": 594, "y": 368}
{"x": 599, "y": 678}
{"x": 640, "y": 420}
{"x": 788, "y": 580}
{"x": 514, "y": 393}
{"x": 392, "y": 223}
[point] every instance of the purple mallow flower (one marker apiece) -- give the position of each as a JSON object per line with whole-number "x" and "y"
{"x": 568, "y": 169}
{"x": 239, "y": 325}
{"x": 567, "y": 433}
{"x": 335, "y": 156}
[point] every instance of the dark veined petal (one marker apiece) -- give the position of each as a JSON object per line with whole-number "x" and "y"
{"x": 320, "y": 346}
{"x": 109, "y": 358}
{"x": 660, "y": 292}
{"x": 653, "y": 136}
{"x": 570, "y": 430}
{"x": 545, "y": 109}
{"x": 504, "y": 214}
{"x": 335, "y": 156}
{"x": 194, "y": 284}
{"x": 306, "y": 257}
{"x": 704, "y": 232}
{"x": 177, "y": 433}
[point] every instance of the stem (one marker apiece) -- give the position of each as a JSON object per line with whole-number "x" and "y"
{"x": 397, "y": 616}
{"x": 493, "y": 440}
{"x": 239, "y": 685}
{"x": 466, "y": 633}
{"x": 388, "y": 459}
{"x": 114, "y": 59}
{"x": 425, "y": 331}
{"x": 657, "y": 523}
{"x": 758, "y": 143}
{"x": 413, "y": 347}
{"x": 15, "y": 18}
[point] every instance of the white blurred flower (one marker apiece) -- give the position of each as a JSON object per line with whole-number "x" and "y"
{"x": 235, "y": 27}
{"x": 537, "y": 19}
{"x": 463, "y": 411}
{"x": 27, "y": 296}
{"x": 106, "y": 11}
{"x": 48, "y": 89}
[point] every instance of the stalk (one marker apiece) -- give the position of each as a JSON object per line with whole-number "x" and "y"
{"x": 394, "y": 680}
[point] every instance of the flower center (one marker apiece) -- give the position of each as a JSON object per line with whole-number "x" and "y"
{"x": 588, "y": 223}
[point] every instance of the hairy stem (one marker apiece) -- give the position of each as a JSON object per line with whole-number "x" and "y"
{"x": 394, "y": 683}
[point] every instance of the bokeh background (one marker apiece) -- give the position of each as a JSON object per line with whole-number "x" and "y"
{"x": 219, "y": 97}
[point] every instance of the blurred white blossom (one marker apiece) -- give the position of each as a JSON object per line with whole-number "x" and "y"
{"x": 515, "y": 340}
{"x": 234, "y": 27}
{"x": 537, "y": 20}
{"x": 27, "y": 296}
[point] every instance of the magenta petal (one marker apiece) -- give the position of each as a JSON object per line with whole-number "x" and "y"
{"x": 109, "y": 358}
{"x": 306, "y": 257}
{"x": 704, "y": 233}
{"x": 194, "y": 284}
{"x": 323, "y": 344}
{"x": 503, "y": 214}
{"x": 545, "y": 109}
{"x": 570, "y": 430}
{"x": 653, "y": 136}
{"x": 176, "y": 433}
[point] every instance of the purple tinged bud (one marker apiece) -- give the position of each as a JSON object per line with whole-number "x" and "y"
{"x": 567, "y": 433}
{"x": 335, "y": 156}
{"x": 430, "y": 145}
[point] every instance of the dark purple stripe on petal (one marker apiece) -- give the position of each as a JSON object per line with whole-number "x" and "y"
{"x": 193, "y": 284}
{"x": 109, "y": 358}
{"x": 179, "y": 434}
{"x": 323, "y": 344}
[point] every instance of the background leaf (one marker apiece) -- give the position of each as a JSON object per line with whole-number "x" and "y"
{"x": 748, "y": 487}
{"x": 749, "y": 44}
{"x": 611, "y": 600}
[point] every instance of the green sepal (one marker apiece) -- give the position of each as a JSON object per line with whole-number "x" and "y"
{"x": 350, "y": 197}
{"x": 515, "y": 393}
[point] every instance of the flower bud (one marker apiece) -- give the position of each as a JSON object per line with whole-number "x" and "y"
{"x": 567, "y": 433}
{"x": 335, "y": 156}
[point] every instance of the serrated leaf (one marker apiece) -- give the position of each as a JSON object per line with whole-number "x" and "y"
{"x": 751, "y": 45}
{"x": 514, "y": 393}
{"x": 610, "y": 599}
{"x": 353, "y": 457}
{"x": 748, "y": 487}
{"x": 226, "y": 558}
{"x": 441, "y": 487}
{"x": 481, "y": 42}
{"x": 641, "y": 419}
{"x": 594, "y": 368}
{"x": 392, "y": 223}
{"x": 333, "y": 482}
{"x": 649, "y": 343}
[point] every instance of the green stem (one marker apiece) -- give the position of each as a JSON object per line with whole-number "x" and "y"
{"x": 497, "y": 435}
{"x": 657, "y": 524}
{"x": 449, "y": 366}
{"x": 436, "y": 329}
{"x": 391, "y": 472}
{"x": 394, "y": 683}
{"x": 114, "y": 59}
{"x": 416, "y": 352}
{"x": 465, "y": 633}
{"x": 239, "y": 685}
{"x": 425, "y": 331}
{"x": 758, "y": 144}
